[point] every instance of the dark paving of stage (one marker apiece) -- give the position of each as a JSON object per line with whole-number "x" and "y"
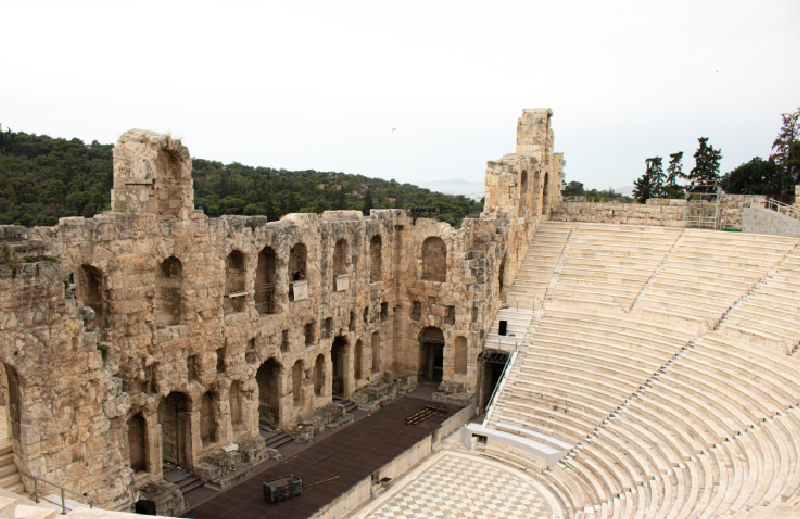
{"x": 353, "y": 454}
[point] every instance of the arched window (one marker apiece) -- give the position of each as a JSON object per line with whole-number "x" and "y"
{"x": 434, "y": 259}
{"x": 297, "y": 273}
{"x": 375, "y": 258}
{"x": 90, "y": 292}
{"x": 234, "y": 272}
{"x": 265, "y": 282}
{"x": 167, "y": 303}
{"x": 234, "y": 282}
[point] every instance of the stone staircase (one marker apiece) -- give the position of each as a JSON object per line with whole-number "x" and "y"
{"x": 9, "y": 479}
{"x": 518, "y": 323}
{"x": 536, "y": 272}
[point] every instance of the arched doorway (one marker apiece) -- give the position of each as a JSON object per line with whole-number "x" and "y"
{"x": 267, "y": 380}
{"x": 338, "y": 365}
{"x": 174, "y": 417}
{"x": 431, "y": 355}
{"x": 493, "y": 365}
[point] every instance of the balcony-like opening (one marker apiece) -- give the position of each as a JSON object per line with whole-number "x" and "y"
{"x": 234, "y": 282}
{"x": 265, "y": 299}
{"x": 341, "y": 281}
{"x": 90, "y": 291}
{"x": 298, "y": 284}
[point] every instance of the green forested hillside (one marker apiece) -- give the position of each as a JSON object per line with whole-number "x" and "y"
{"x": 44, "y": 178}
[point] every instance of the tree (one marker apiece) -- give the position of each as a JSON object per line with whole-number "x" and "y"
{"x": 574, "y": 188}
{"x": 785, "y": 151}
{"x": 367, "y": 202}
{"x": 705, "y": 172}
{"x": 756, "y": 178}
{"x": 642, "y": 188}
{"x": 674, "y": 171}
{"x": 656, "y": 175}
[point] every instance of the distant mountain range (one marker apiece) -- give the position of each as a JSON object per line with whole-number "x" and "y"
{"x": 455, "y": 186}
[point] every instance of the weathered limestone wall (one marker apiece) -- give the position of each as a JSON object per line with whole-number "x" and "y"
{"x": 657, "y": 212}
{"x": 212, "y": 325}
{"x": 66, "y": 410}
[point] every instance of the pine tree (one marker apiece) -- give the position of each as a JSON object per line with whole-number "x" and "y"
{"x": 656, "y": 175}
{"x": 367, "y": 202}
{"x": 785, "y": 150}
{"x": 642, "y": 188}
{"x": 705, "y": 172}
{"x": 674, "y": 171}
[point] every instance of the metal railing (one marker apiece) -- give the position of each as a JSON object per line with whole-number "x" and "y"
{"x": 777, "y": 206}
{"x": 62, "y": 489}
{"x": 500, "y": 382}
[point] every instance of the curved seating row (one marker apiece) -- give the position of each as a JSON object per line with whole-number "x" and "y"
{"x": 668, "y": 420}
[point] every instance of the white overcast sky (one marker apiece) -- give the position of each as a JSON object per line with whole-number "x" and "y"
{"x": 321, "y": 85}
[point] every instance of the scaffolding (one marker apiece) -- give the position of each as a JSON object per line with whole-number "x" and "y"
{"x": 702, "y": 209}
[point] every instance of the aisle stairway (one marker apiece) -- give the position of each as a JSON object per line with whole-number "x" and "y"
{"x": 662, "y": 418}
{"x": 9, "y": 478}
{"x": 536, "y": 271}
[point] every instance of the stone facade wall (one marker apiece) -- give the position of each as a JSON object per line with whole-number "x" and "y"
{"x": 198, "y": 328}
{"x": 66, "y": 409}
{"x": 657, "y": 212}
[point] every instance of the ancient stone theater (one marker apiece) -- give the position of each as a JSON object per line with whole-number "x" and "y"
{"x": 599, "y": 360}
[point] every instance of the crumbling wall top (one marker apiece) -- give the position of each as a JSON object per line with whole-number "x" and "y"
{"x": 152, "y": 174}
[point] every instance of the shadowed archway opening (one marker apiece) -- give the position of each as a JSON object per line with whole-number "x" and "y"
{"x": 137, "y": 442}
{"x": 338, "y": 365}
{"x": 267, "y": 380}
{"x": 175, "y": 421}
{"x": 431, "y": 354}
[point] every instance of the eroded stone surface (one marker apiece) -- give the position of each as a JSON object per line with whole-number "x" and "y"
{"x": 183, "y": 331}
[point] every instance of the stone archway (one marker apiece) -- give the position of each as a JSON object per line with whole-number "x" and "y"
{"x": 137, "y": 443}
{"x": 338, "y": 366}
{"x": 268, "y": 382}
{"x": 431, "y": 355}
{"x": 174, "y": 418}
